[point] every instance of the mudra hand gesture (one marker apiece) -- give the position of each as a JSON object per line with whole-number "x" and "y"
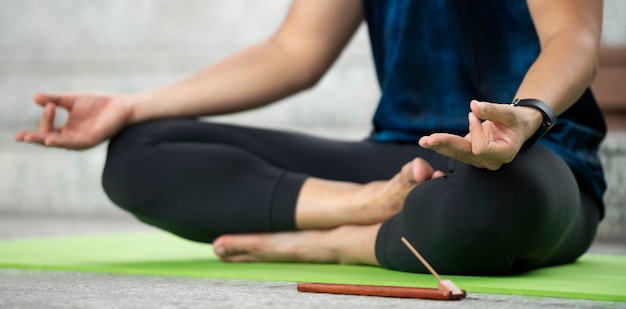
{"x": 492, "y": 142}
{"x": 92, "y": 119}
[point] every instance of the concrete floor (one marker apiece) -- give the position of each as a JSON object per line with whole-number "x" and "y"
{"x": 127, "y": 46}
{"x": 52, "y": 289}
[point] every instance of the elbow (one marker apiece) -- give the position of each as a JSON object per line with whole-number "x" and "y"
{"x": 310, "y": 78}
{"x": 305, "y": 64}
{"x": 589, "y": 41}
{"x": 303, "y": 75}
{"x": 297, "y": 77}
{"x": 594, "y": 71}
{"x": 592, "y": 45}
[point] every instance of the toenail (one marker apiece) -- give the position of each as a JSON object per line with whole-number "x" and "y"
{"x": 220, "y": 251}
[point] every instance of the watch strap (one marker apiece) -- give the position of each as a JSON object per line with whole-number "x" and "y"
{"x": 549, "y": 118}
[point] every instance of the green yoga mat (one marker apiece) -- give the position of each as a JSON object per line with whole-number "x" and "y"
{"x": 597, "y": 277}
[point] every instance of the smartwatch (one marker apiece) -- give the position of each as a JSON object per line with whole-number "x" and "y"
{"x": 549, "y": 118}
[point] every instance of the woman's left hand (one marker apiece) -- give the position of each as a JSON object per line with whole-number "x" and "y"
{"x": 491, "y": 143}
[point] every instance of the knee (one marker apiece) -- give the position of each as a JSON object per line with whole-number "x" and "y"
{"x": 126, "y": 168}
{"x": 480, "y": 222}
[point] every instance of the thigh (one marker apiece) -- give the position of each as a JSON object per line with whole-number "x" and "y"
{"x": 475, "y": 221}
{"x": 357, "y": 161}
{"x": 200, "y": 180}
{"x": 580, "y": 237}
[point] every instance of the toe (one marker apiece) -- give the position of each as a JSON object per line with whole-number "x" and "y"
{"x": 237, "y": 248}
{"x": 422, "y": 171}
{"x": 437, "y": 174}
{"x": 241, "y": 258}
{"x": 226, "y": 246}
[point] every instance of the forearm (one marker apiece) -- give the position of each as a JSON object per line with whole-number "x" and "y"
{"x": 569, "y": 33}
{"x": 294, "y": 58}
{"x": 254, "y": 77}
{"x": 563, "y": 71}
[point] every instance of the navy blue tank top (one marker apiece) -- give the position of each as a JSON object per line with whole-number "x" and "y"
{"x": 433, "y": 56}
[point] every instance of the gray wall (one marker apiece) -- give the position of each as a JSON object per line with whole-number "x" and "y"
{"x": 127, "y": 46}
{"x": 614, "y": 23}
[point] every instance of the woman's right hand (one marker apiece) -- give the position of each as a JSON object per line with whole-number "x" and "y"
{"x": 92, "y": 119}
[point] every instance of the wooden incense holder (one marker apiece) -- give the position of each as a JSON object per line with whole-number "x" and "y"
{"x": 379, "y": 290}
{"x": 445, "y": 291}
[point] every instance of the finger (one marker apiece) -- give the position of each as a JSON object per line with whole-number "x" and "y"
{"x": 64, "y": 100}
{"x": 500, "y": 113}
{"x": 478, "y": 141}
{"x": 34, "y": 137}
{"x": 429, "y": 141}
{"x": 447, "y": 144}
{"x": 60, "y": 141}
{"x": 41, "y": 138}
{"x": 19, "y": 136}
{"x": 47, "y": 119}
{"x": 444, "y": 139}
{"x": 52, "y": 139}
{"x": 454, "y": 147}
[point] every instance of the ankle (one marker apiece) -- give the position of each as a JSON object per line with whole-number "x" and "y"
{"x": 355, "y": 244}
{"x": 325, "y": 204}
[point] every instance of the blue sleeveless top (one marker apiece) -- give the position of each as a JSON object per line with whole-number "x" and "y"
{"x": 433, "y": 57}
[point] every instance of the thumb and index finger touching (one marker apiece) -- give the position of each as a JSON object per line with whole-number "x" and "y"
{"x": 49, "y": 102}
{"x": 500, "y": 113}
{"x": 44, "y": 130}
{"x": 47, "y": 119}
{"x": 65, "y": 100}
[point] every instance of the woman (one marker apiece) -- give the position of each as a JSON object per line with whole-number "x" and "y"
{"x": 491, "y": 201}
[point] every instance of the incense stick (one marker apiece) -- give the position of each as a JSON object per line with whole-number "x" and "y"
{"x": 446, "y": 290}
{"x": 419, "y": 256}
{"x": 444, "y": 285}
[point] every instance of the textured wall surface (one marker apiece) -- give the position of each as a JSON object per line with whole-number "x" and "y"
{"x": 614, "y": 25}
{"x": 127, "y": 46}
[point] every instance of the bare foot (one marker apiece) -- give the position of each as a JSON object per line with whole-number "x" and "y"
{"x": 357, "y": 210}
{"x": 345, "y": 245}
{"x": 381, "y": 200}
{"x": 328, "y": 204}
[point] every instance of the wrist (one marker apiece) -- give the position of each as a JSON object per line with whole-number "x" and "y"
{"x": 532, "y": 120}
{"x": 541, "y": 117}
{"x": 134, "y": 102}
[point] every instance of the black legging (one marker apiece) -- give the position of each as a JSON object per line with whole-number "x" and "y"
{"x": 201, "y": 180}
